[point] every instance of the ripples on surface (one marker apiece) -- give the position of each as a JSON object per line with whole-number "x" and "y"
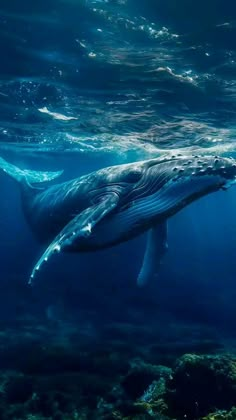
{"x": 118, "y": 75}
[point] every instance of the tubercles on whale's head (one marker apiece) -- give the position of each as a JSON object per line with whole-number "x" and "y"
{"x": 205, "y": 165}
{"x": 226, "y": 167}
{"x": 220, "y": 171}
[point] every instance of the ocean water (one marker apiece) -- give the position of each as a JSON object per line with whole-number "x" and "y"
{"x": 85, "y": 84}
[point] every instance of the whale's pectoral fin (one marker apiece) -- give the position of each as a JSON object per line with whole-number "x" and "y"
{"x": 155, "y": 250}
{"x": 80, "y": 226}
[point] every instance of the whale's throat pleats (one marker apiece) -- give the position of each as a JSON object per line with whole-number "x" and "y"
{"x": 143, "y": 213}
{"x": 146, "y": 212}
{"x": 169, "y": 199}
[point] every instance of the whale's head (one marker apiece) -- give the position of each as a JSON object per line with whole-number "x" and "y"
{"x": 179, "y": 167}
{"x": 169, "y": 184}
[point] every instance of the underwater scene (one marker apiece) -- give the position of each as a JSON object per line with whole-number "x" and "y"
{"x": 118, "y": 210}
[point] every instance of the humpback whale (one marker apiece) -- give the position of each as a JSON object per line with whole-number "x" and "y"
{"x": 117, "y": 203}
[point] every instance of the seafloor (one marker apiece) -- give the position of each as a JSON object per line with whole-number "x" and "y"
{"x": 63, "y": 370}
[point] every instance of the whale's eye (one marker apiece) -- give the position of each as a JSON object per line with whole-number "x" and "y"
{"x": 134, "y": 176}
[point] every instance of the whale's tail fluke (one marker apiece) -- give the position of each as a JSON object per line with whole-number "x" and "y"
{"x": 27, "y": 176}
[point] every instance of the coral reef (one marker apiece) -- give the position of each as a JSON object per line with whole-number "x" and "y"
{"x": 196, "y": 386}
{"x": 202, "y": 383}
{"x": 222, "y": 415}
{"x": 55, "y": 375}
